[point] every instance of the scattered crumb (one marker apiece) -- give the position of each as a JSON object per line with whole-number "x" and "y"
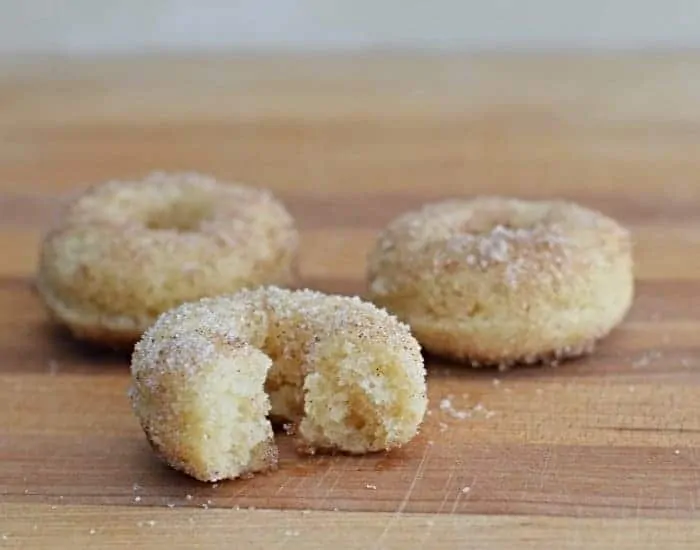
{"x": 215, "y": 486}
{"x": 466, "y": 489}
{"x": 26, "y": 491}
{"x": 137, "y": 499}
{"x": 431, "y": 442}
{"x": 646, "y": 359}
{"x": 53, "y": 367}
{"x": 677, "y": 452}
{"x": 443, "y": 426}
{"x": 189, "y": 497}
{"x": 335, "y": 509}
{"x": 205, "y": 506}
{"x": 236, "y": 507}
{"x": 136, "y": 487}
{"x": 151, "y": 523}
{"x": 446, "y": 406}
{"x": 4, "y": 537}
{"x": 371, "y": 486}
{"x": 291, "y": 533}
{"x": 209, "y": 502}
{"x": 53, "y": 506}
{"x": 170, "y": 505}
{"x": 305, "y": 512}
{"x": 496, "y": 382}
{"x": 429, "y": 413}
{"x": 289, "y": 428}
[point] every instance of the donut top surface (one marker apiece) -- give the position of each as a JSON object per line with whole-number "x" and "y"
{"x": 125, "y": 251}
{"x": 255, "y": 317}
{"x": 494, "y": 232}
{"x": 179, "y": 203}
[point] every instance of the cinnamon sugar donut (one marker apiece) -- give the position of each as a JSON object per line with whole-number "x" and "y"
{"x": 347, "y": 375}
{"x": 126, "y": 251}
{"x": 501, "y": 281}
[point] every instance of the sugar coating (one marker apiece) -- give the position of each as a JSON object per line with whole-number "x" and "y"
{"x": 126, "y": 251}
{"x": 495, "y": 280}
{"x": 345, "y": 374}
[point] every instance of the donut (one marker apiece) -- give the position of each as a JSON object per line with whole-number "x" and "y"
{"x": 208, "y": 377}
{"x": 126, "y": 251}
{"x": 504, "y": 281}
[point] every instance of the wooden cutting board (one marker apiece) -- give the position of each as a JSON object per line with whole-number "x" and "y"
{"x": 597, "y": 453}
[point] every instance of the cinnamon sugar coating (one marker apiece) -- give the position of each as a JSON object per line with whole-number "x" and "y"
{"x": 126, "y": 251}
{"x": 346, "y": 375}
{"x": 496, "y": 280}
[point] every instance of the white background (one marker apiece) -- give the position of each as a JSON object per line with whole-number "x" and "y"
{"x": 88, "y": 26}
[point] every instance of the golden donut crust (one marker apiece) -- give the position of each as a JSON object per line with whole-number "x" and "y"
{"x": 496, "y": 280}
{"x": 126, "y": 251}
{"x": 345, "y": 374}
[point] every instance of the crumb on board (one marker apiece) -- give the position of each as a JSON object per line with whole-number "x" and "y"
{"x": 149, "y": 523}
{"x": 53, "y": 367}
{"x": 677, "y": 452}
{"x": 446, "y": 406}
{"x": 137, "y": 499}
{"x": 466, "y": 489}
{"x": 290, "y": 533}
{"x": 92, "y": 531}
{"x": 646, "y": 359}
{"x": 188, "y": 497}
{"x": 371, "y": 486}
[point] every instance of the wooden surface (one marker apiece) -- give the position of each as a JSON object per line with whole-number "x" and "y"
{"x": 599, "y": 453}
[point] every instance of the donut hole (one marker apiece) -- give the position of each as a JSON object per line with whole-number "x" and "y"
{"x": 506, "y": 217}
{"x": 182, "y": 216}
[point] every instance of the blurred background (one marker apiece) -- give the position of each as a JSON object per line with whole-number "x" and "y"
{"x": 89, "y": 26}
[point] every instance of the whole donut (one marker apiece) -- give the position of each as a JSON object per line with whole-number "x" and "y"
{"x": 497, "y": 280}
{"x": 207, "y": 375}
{"x": 126, "y": 251}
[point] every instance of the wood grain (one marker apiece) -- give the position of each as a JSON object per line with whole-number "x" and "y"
{"x": 597, "y": 453}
